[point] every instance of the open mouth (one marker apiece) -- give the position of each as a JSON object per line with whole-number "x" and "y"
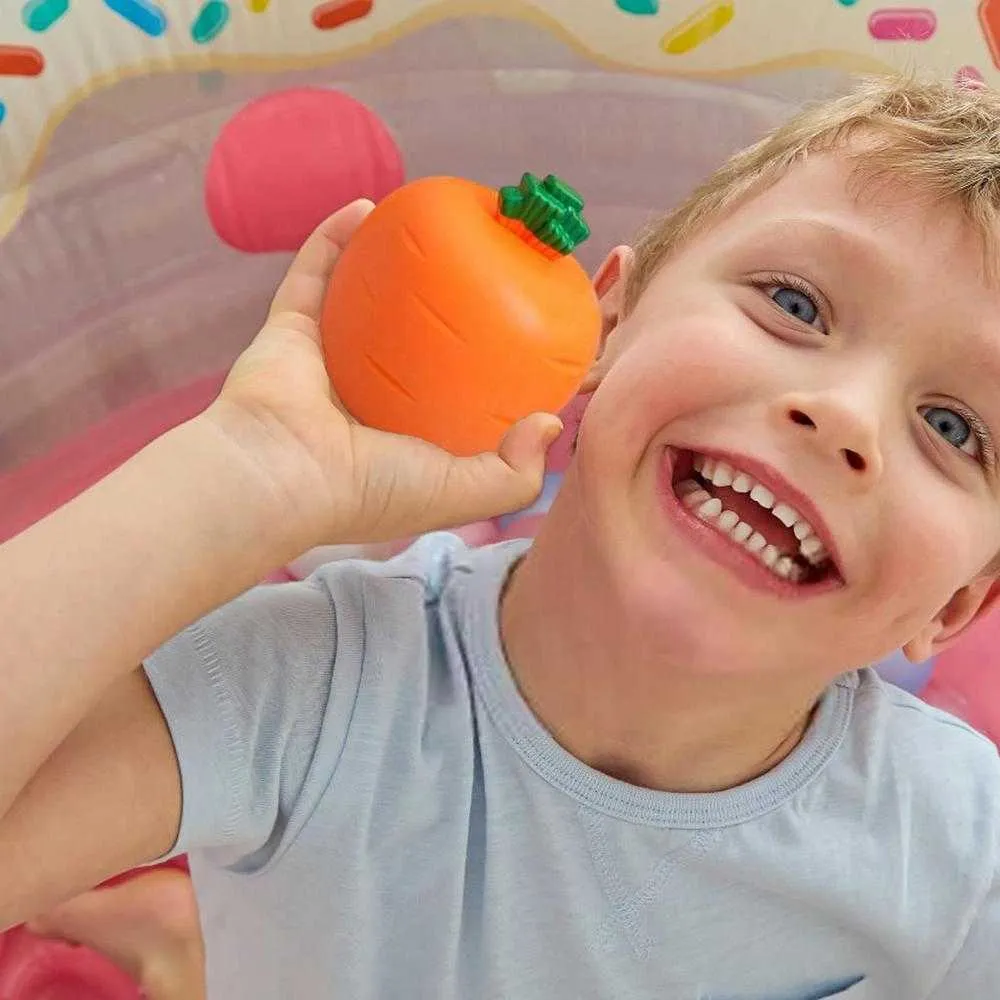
{"x": 752, "y": 518}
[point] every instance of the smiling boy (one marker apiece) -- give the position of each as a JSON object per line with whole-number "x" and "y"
{"x": 639, "y": 757}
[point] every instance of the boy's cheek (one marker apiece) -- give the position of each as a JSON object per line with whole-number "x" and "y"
{"x": 681, "y": 368}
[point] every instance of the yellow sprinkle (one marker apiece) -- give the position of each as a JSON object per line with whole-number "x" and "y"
{"x": 258, "y": 6}
{"x": 699, "y": 27}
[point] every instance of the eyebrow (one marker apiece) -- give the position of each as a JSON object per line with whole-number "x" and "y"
{"x": 854, "y": 250}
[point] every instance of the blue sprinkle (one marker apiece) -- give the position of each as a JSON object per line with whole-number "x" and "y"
{"x": 210, "y": 21}
{"x": 146, "y": 16}
{"x": 639, "y": 6}
{"x": 3, "y": 111}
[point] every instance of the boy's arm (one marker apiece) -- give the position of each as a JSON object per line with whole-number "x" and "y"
{"x": 274, "y": 467}
{"x": 108, "y": 799}
{"x": 86, "y": 595}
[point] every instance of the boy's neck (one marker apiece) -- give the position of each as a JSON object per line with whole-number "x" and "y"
{"x": 609, "y": 693}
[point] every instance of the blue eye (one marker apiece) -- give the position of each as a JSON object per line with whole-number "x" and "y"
{"x": 796, "y": 303}
{"x": 952, "y": 426}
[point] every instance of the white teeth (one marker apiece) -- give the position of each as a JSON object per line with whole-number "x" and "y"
{"x": 785, "y": 514}
{"x": 728, "y": 520}
{"x": 723, "y": 475}
{"x": 783, "y": 567}
{"x": 694, "y": 500}
{"x": 813, "y": 550}
{"x": 763, "y": 496}
{"x": 708, "y": 508}
{"x": 711, "y": 508}
{"x": 802, "y": 529}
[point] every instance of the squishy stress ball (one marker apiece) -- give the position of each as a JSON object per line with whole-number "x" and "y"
{"x": 457, "y": 310}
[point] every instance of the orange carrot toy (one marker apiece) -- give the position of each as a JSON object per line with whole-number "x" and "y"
{"x": 456, "y": 310}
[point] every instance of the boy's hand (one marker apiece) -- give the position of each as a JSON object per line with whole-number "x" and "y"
{"x": 347, "y": 482}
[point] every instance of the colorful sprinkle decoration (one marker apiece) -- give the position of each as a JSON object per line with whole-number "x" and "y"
{"x": 20, "y": 60}
{"x": 969, "y": 76}
{"x": 702, "y": 25}
{"x": 211, "y": 19}
{"x": 902, "y": 24}
{"x": 40, "y": 15}
{"x": 337, "y": 12}
{"x": 3, "y": 112}
{"x": 989, "y": 21}
{"x": 641, "y": 7}
{"x": 148, "y": 17}
{"x": 258, "y": 6}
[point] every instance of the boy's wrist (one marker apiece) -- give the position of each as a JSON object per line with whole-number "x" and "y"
{"x": 253, "y": 493}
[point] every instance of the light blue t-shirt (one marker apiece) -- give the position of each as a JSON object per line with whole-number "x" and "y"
{"x": 374, "y": 813}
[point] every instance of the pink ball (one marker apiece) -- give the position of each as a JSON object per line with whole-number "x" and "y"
{"x": 37, "y": 969}
{"x": 286, "y": 161}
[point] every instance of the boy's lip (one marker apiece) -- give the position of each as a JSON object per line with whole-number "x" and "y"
{"x": 783, "y": 490}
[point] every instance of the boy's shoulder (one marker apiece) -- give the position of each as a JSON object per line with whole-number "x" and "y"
{"x": 907, "y": 717}
{"x": 913, "y": 750}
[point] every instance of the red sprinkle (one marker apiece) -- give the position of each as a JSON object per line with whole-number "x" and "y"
{"x": 20, "y": 60}
{"x": 337, "y": 12}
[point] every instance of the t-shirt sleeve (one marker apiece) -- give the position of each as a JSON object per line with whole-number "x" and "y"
{"x": 258, "y": 698}
{"x": 975, "y": 972}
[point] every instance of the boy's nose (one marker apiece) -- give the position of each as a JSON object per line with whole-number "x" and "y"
{"x": 839, "y": 428}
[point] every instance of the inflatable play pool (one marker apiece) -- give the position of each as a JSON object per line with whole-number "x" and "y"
{"x": 159, "y": 160}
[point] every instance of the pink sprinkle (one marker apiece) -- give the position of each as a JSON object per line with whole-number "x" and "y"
{"x": 970, "y": 77}
{"x": 902, "y": 24}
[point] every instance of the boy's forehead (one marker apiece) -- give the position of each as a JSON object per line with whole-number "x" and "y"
{"x": 886, "y": 226}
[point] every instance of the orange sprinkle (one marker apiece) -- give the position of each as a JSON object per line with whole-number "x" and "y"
{"x": 337, "y": 12}
{"x": 20, "y": 60}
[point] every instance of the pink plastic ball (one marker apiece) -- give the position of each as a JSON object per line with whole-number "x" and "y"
{"x": 286, "y": 161}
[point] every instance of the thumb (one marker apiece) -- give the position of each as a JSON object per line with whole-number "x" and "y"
{"x": 504, "y": 481}
{"x": 523, "y": 450}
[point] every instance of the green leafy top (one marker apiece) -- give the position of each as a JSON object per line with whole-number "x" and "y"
{"x": 550, "y": 210}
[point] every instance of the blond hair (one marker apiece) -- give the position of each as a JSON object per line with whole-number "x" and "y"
{"x": 943, "y": 137}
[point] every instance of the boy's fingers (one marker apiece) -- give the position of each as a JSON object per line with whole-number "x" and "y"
{"x": 304, "y": 286}
{"x": 499, "y": 483}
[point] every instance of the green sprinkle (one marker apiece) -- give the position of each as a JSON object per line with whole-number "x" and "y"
{"x": 40, "y": 15}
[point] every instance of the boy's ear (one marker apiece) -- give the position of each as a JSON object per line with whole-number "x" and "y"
{"x": 609, "y": 284}
{"x": 964, "y": 609}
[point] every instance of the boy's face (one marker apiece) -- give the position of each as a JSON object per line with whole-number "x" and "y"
{"x": 845, "y": 353}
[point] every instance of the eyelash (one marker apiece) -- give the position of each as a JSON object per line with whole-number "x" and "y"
{"x": 987, "y": 453}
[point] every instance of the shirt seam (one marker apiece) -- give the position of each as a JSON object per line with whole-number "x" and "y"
{"x": 237, "y": 787}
